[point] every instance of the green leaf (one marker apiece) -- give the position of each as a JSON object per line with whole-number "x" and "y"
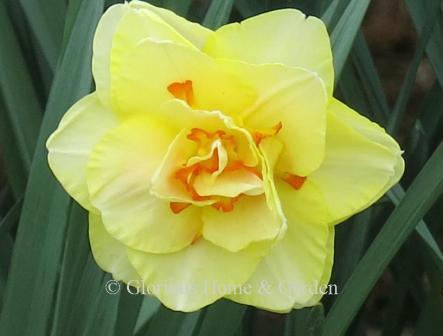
{"x": 420, "y": 196}
{"x": 46, "y": 19}
{"x": 81, "y": 295}
{"x": 344, "y": 33}
{"x": 431, "y": 115}
{"x": 149, "y": 307}
{"x": 218, "y": 13}
{"x": 11, "y": 217}
{"x": 128, "y": 309}
{"x": 6, "y": 244}
{"x": 249, "y": 8}
{"x": 409, "y": 81}
{"x": 350, "y": 245}
{"x": 222, "y": 318}
{"x": 306, "y": 322}
{"x": 333, "y": 13}
{"x": 179, "y": 7}
{"x": 396, "y": 194}
{"x": 165, "y": 322}
{"x": 40, "y": 235}
{"x": 369, "y": 79}
{"x": 429, "y": 322}
{"x": 21, "y": 110}
{"x": 421, "y": 13}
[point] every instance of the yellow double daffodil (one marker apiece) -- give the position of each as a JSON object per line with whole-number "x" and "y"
{"x": 216, "y": 159}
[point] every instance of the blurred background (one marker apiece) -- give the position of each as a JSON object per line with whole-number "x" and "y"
{"x": 390, "y": 68}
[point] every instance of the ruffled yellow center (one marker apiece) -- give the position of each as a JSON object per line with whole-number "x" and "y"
{"x": 213, "y": 143}
{"x": 219, "y": 168}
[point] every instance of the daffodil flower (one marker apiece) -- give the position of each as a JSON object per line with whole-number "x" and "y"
{"x": 216, "y": 159}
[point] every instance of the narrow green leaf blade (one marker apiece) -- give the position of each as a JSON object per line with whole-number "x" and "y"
{"x": 40, "y": 236}
{"x": 306, "y": 322}
{"x": 420, "y": 14}
{"x": 409, "y": 81}
{"x": 222, "y": 318}
{"x": 218, "y": 13}
{"x": 21, "y": 109}
{"x": 46, "y": 18}
{"x": 179, "y": 7}
{"x": 344, "y": 33}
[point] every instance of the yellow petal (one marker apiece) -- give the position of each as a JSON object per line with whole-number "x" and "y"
{"x": 102, "y": 45}
{"x": 361, "y": 163}
{"x": 119, "y": 173}
{"x": 153, "y": 72}
{"x": 193, "y": 32}
{"x": 323, "y": 286}
{"x": 294, "y": 97}
{"x": 229, "y": 184}
{"x": 110, "y": 254}
{"x": 283, "y": 36}
{"x": 70, "y": 145}
{"x": 181, "y": 153}
{"x": 270, "y": 150}
{"x": 289, "y": 274}
{"x": 196, "y": 276}
{"x": 250, "y": 221}
{"x": 123, "y": 26}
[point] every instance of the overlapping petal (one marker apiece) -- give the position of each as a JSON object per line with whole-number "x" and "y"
{"x": 124, "y": 26}
{"x": 197, "y": 275}
{"x": 70, "y": 145}
{"x": 119, "y": 172}
{"x": 109, "y": 253}
{"x": 142, "y": 77}
{"x": 101, "y": 61}
{"x": 323, "y": 286}
{"x": 290, "y": 273}
{"x": 250, "y": 221}
{"x": 193, "y": 32}
{"x": 294, "y": 97}
{"x": 284, "y": 36}
{"x": 361, "y": 163}
{"x": 182, "y": 151}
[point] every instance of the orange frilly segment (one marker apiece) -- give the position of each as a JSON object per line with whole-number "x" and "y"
{"x": 210, "y": 169}
{"x": 294, "y": 180}
{"x": 182, "y": 91}
{"x": 259, "y": 135}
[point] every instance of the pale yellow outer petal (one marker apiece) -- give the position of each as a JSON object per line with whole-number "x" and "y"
{"x": 110, "y": 254}
{"x": 289, "y": 275}
{"x": 193, "y": 32}
{"x": 361, "y": 163}
{"x": 123, "y": 26}
{"x": 283, "y": 36}
{"x": 119, "y": 173}
{"x": 141, "y": 77}
{"x": 101, "y": 60}
{"x": 323, "y": 286}
{"x": 70, "y": 145}
{"x": 294, "y": 97}
{"x": 250, "y": 221}
{"x": 196, "y": 276}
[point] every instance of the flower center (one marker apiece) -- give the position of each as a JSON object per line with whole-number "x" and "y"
{"x": 217, "y": 156}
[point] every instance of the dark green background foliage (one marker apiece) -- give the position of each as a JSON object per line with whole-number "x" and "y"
{"x": 388, "y": 263}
